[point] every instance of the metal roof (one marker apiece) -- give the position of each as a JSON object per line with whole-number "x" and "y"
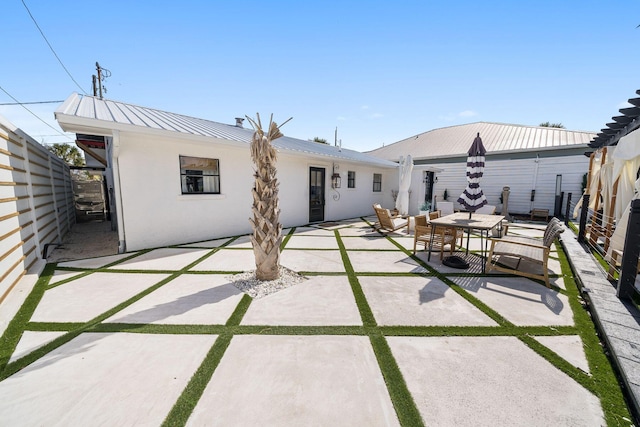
{"x": 455, "y": 141}
{"x": 621, "y": 126}
{"x": 86, "y": 113}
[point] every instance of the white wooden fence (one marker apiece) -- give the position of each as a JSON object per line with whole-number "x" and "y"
{"x": 36, "y": 203}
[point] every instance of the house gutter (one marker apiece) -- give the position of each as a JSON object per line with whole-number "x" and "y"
{"x": 115, "y": 153}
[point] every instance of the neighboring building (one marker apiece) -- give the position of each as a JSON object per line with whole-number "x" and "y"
{"x": 524, "y": 158}
{"x": 176, "y": 179}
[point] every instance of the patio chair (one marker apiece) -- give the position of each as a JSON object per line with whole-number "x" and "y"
{"x": 442, "y": 237}
{"x": 459, "y": 232}
{"x": 388, "y": 222}
{"x": 528, "y": 248}
{"x": 445, "y": 208}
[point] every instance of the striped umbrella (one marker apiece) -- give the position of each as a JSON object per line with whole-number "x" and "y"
{"x": 473, "y": 198}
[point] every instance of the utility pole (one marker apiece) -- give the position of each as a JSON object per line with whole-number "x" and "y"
{"x": 103, "y": 73}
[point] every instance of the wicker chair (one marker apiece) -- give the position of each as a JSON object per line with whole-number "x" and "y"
{"x": 527, "y": 248}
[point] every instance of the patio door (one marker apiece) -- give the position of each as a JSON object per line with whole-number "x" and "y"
{"x": 316, "y": 194}
{"x": 428, "y": 187}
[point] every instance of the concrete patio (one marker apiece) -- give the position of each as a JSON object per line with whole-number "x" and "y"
{"x": 373, "y": 337}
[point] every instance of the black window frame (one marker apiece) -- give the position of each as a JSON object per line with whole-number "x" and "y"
{"x": 377, "y": 183}
{"x": 194, "y": 177}
{"x": 351, "y": 179}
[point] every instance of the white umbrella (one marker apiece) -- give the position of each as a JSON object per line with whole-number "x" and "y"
{"x": 402, "y": 201}
{"x": 472, "y": 198}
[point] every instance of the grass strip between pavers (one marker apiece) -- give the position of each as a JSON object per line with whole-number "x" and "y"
{"x": 402, "y": 400}
{"x": 361, "y": 301}
{"x": 11, "y": 336}
{"x": 605, "y": 382}
{"x": 186, "y": 403}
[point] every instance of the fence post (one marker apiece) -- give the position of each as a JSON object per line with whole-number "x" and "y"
{"x": 567, "y": 211}
{"x": 629, "y": 269}
{"x": 583, "y": 218}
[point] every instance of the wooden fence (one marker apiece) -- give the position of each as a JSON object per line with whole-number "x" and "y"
{"x": 36, "y": 203}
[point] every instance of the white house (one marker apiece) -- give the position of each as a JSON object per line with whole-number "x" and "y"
{"x": 533, "y": 161}
{"x": 174, "y": 179}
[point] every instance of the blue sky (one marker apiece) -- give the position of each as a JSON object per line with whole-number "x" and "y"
{"x": 379, "y": 71}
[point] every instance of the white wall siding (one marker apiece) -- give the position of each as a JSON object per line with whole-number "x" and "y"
{"x": 521, "y": 176}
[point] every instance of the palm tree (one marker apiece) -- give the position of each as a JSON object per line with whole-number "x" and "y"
{"x": 266, "y": 237}
{"x": 68, "y": 153}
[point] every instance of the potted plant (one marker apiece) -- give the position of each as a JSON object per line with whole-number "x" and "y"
{"x": 425, "y": 208}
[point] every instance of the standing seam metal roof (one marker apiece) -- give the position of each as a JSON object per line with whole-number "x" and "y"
{"x": 455, "y": 141}
{"x": 107, "y": 114}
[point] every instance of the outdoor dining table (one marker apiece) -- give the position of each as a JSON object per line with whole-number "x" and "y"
{"x": 482, "y": 222}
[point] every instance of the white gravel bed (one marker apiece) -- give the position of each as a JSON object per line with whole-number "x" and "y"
{"x": 255, "y": 288}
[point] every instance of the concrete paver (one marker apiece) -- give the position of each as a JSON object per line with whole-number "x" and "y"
{"x": 162, "y": 259}
{"x": 309, "y": 260}
{"x": 569, "y": 347}
{"x": 83, "y": 299}
{"x": 312, "y": 242}
{"x": 420, "y": 301}
{"x": 104, "y": 379}
{"x": 308, "y": 380}
{"x": 320, "y": 300}
{"x": 228, "y": 260}
{"x": 186, "y": 300}
{"x": 475, "y": 381}
{"x": 520, "y": 300}
{"x": 394, "y": 262}
{"x": 368, "y": 242}
{"x": 32, "y": 340}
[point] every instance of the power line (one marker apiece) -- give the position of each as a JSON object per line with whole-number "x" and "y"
{"x": 34, "y": 114}
{"x": 30, "y": 103}
{"x": 51, "y": 47}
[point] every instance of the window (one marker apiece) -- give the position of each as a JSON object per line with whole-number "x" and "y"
{"x": 199, "y": 175}
{"x": 351, "y": 179}
{"x": 377, "y": 182}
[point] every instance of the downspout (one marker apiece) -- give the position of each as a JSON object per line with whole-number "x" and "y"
{"x": 115, "y": 153}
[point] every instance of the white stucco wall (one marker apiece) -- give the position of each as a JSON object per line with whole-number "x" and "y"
{"x": 156, "y": 214}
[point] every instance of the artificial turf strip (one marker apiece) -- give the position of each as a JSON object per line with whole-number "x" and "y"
{"x": 15, "y": 328}
{"x": 403, "y": 402}
{"x": 186, "y": 403}
{"x": 361, "y": 301}
{"x": 605, "y": 381}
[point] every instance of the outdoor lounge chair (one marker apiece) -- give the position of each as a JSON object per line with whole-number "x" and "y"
{"x": 388, "y": 222}
{"x": 528, "y": 248}
{"x": 442, "y": 236}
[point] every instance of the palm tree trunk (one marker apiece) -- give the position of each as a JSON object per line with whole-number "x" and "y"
{"x": 266, "y": 237}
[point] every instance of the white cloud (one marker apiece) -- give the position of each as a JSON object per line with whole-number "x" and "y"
{"x": 341, "y": 119}
{"x": 364, "y": 107}
{"x": 376, "y": 115}
{"x": 467, "y": 113}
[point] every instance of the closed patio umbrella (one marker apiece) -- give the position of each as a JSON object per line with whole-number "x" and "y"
{"x": 472, "y": 198}
{"x": 402, "y": 201}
